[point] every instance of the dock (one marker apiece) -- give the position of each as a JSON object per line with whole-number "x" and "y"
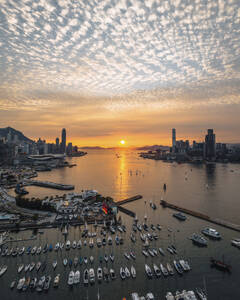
{"x": 220, "y": 222}
{"x": 125, "y": 210}
{"x": 51, "y": 185}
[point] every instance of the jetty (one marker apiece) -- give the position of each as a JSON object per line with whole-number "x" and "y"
{"x": 125, "y": 210}
{"x": 220, "y": 222}
{"x": 51, "y": 185}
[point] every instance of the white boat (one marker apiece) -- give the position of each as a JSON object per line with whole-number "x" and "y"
{"x": 109, "y": 240}
{"x": 145, "y": 253}
{"x": 112, "y": 274}
{"x": 40, "y": 284}
{"x": 99, "y": 242}
{"x": 170, "y": 296}
{"x": 184, "y": 265}
{"x": 77, "y": 277}
{"x": 71, "y": 278}
{"x": 65, "y": 261}
{"x": 20, "y": 268}
{"x": 133, "y": 272}
{"x": 127, "y": 255}
{"x": 170, "y": 269}
{"x": 38, "y": 266}
{"x": 91, "y": 244}
{"x": 79, "y": 244}
{"x": 148, "y": 271}
{"x": 32, "y": 265}
{"x": 111, "y": 257}
{"x": 47, "y": 282}
{"x": 57, "y": 247}
{"x": 164, "y": 270}
{"x": 26, "y": 268}
{"x": 39, "y": 250}
{"x": 91, "y": 259}
{"x": 91, "y": 275}
{"x": 161, "y": 251}
{"x": 68, "y": 245}
{"x": 74, "y": 244}
{"x": 150, "y": 296}
{"x": 54, "y": 264}
{"x": 99, "y": 274}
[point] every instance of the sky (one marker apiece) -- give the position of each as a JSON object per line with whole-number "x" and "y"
{"x": 108, "y": 70}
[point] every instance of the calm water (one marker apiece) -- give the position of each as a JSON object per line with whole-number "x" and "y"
{"x": 213, "y": 190}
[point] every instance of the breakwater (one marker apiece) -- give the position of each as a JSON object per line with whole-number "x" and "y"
{"x": 220, "y": 222}
{"x": 51, "y": 185}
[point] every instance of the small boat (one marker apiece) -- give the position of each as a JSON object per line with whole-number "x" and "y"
{"x": 26, "y": 267}
{"x": 85, "y": 276}
{"x": 133, "y": 238}
{"x": 91, "y": 276}
{"x": 154, "y": 250}
{"x": 220, "y": 265}
{"x": 155, "y": 236}
{"x": 47, "y": 282}
{"x": 151, "y": 252}
{"x": 180, "y": 216}
{"x": 105, "y": 273}
{"x": 212, "y": 233}
{"x": 56, "y": 281}
{"x": 91, "y": 244}
{"x": 57, "y": 246}
{"x": 15, "y": 252}
{"x": 99, "y": 274}
{"x": 75, "y": 262}
{"x": 153, "y": 227}
{"x": 133, "y": 255}
{"x": 157, "y": 271}
{"x": 198, "y": 239}
{"x": 38, "y": 266}
{"x": 184, "y": 265}
{"x": 71, "y": 278}
{"x": 80, "y": 260}
{"x": 54, "y": 264}
{"x": 50, "y": 248}
{"x": 164, "y": 270}
{"x": 70, "y": 262}
{"x": 148, "y": 271}
{"x": 170, "y": 296}
{"x": 145, "y": 253}
{"x": 159, "y": 227}
{"x": 127, "y": 272}
{"x": 133, "y": 272}
{"x": 117, "y": 240}
{"x": 104, "y": 242}
{"x": 28, "y": 251}
{"x": 112, "y": 274}
{"x": 45, "y": 249}
{"x": 201, "y": 294}
{"x": 65, "y": 261}
{"x": 21, "y": 251}
{"x": 21, "y": 283}
{"x": 33, "y": 283}
{"x": 170, "y": 250}
{"x": 127, "y": 255}
{"x": 122, "y": 273}
{"x": 32, "y": 265}
{"x": 20, "y": 268}
{"x": 99, "y": 242}
{"x": 39, "y": 250}
{"x": 91, "y": 259}
{"x": 77, "y": 277}
{"x": 235, "y": 244}
{"x": 109, "y": 240}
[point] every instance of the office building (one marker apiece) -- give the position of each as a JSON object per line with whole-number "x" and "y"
{"x": 63, "y": 143}
{"x": 210, "y": 145}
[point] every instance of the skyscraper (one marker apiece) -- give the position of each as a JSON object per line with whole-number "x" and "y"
{"x": 173, "y": 139}
{"x": 63, "y": 143}
{"x": 210, "y": 145}
{"x": 57, "y": 142}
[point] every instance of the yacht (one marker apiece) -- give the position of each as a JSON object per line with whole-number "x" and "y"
{"x": 127, "y": 255}
{"x": 148, "y": 271}
{"x": 133, "y": 272}
{"x": 127, "y": 272}
{"x": 235, "y": 243}
{"x": 33, "y": 283}
{"x": 3, "y": 269}
{"x": 184, "y": 264}
{"x": 68, "y": 245}
{"x": 12, "y": 285}
{"x": 106, "y": 258}
{"x": 39, "y": 250}
{"x": 112, "y": 274}
{"x": 47, "y": 282}
{"x": 91, "y": 276}
{"x": 151, "y": 252}
{"x": 145, "y": 253}
{"x": 99, "y": 242}
{"x": 178, "y": 267}
{"x": 91, "y": 259}
{"x": 170, "y": 269}
{"x": 132, "y": 254}
{"x": 212, "y": 233}
{"x": 21, "y": 251}
{"x": 74, "y": 244}
{"x": 21, "y": 283}
{"x": 56, "y": 281}
{"x": 164, "y": 270}
{"x": 91, "y": 244}
{"x": 180, "y": 216}
{"x": 65, "y": 261}
{"x": 26, "y": 268}
{"x": 122, "y": 273}
{"x": 170, "y": 296}
{"x": 85, "y": 276}
{"x": 199, "y": 240}
{"x": 85, "y": 260}
{"x": 170, "y": 250}
{"x": 133, "y": 238}
{"x": 156, "y": 270}
{"x": 109, "y": 240}
{"x": 26, "y": 284}
{"x": 34, "y": 249}
{"x": 71, "y": 278}
{"x": 111, "y": 257}
{"x": 161, "y": 251}
{"x": 57, "y": 246}
{"x": 32, "y": 265}
{"x": 45, "y": 249}
{"x": 40, "y": 284}
{"x": 79, "y": 244}
{"x": 99, "y": 274}
{"x": 38, "y": 266}
{"x": 77, "y": 277}
{"x": 105, "y": 273}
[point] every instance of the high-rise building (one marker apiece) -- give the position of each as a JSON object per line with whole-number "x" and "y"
{"x": 63, "y": 143}
{"x": 57, "y": 142}
{"x": 173, "y": 139}
{"x": 210, "y": 145}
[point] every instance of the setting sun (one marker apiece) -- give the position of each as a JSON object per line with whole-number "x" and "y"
{"x": 122, "y": 142}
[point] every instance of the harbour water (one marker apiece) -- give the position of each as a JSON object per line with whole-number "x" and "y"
{"x": 210, "y": 189}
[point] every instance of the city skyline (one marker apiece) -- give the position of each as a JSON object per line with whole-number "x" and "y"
{"x": 120, "y": 70}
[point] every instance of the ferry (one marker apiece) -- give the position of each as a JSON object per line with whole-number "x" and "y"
{"x": 212, "y": 233}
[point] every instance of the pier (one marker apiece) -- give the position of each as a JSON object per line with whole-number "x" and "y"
{"x": 220, "y": 222}
{"x": 51, "y": 185}
{"x": 125, "y": 210}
